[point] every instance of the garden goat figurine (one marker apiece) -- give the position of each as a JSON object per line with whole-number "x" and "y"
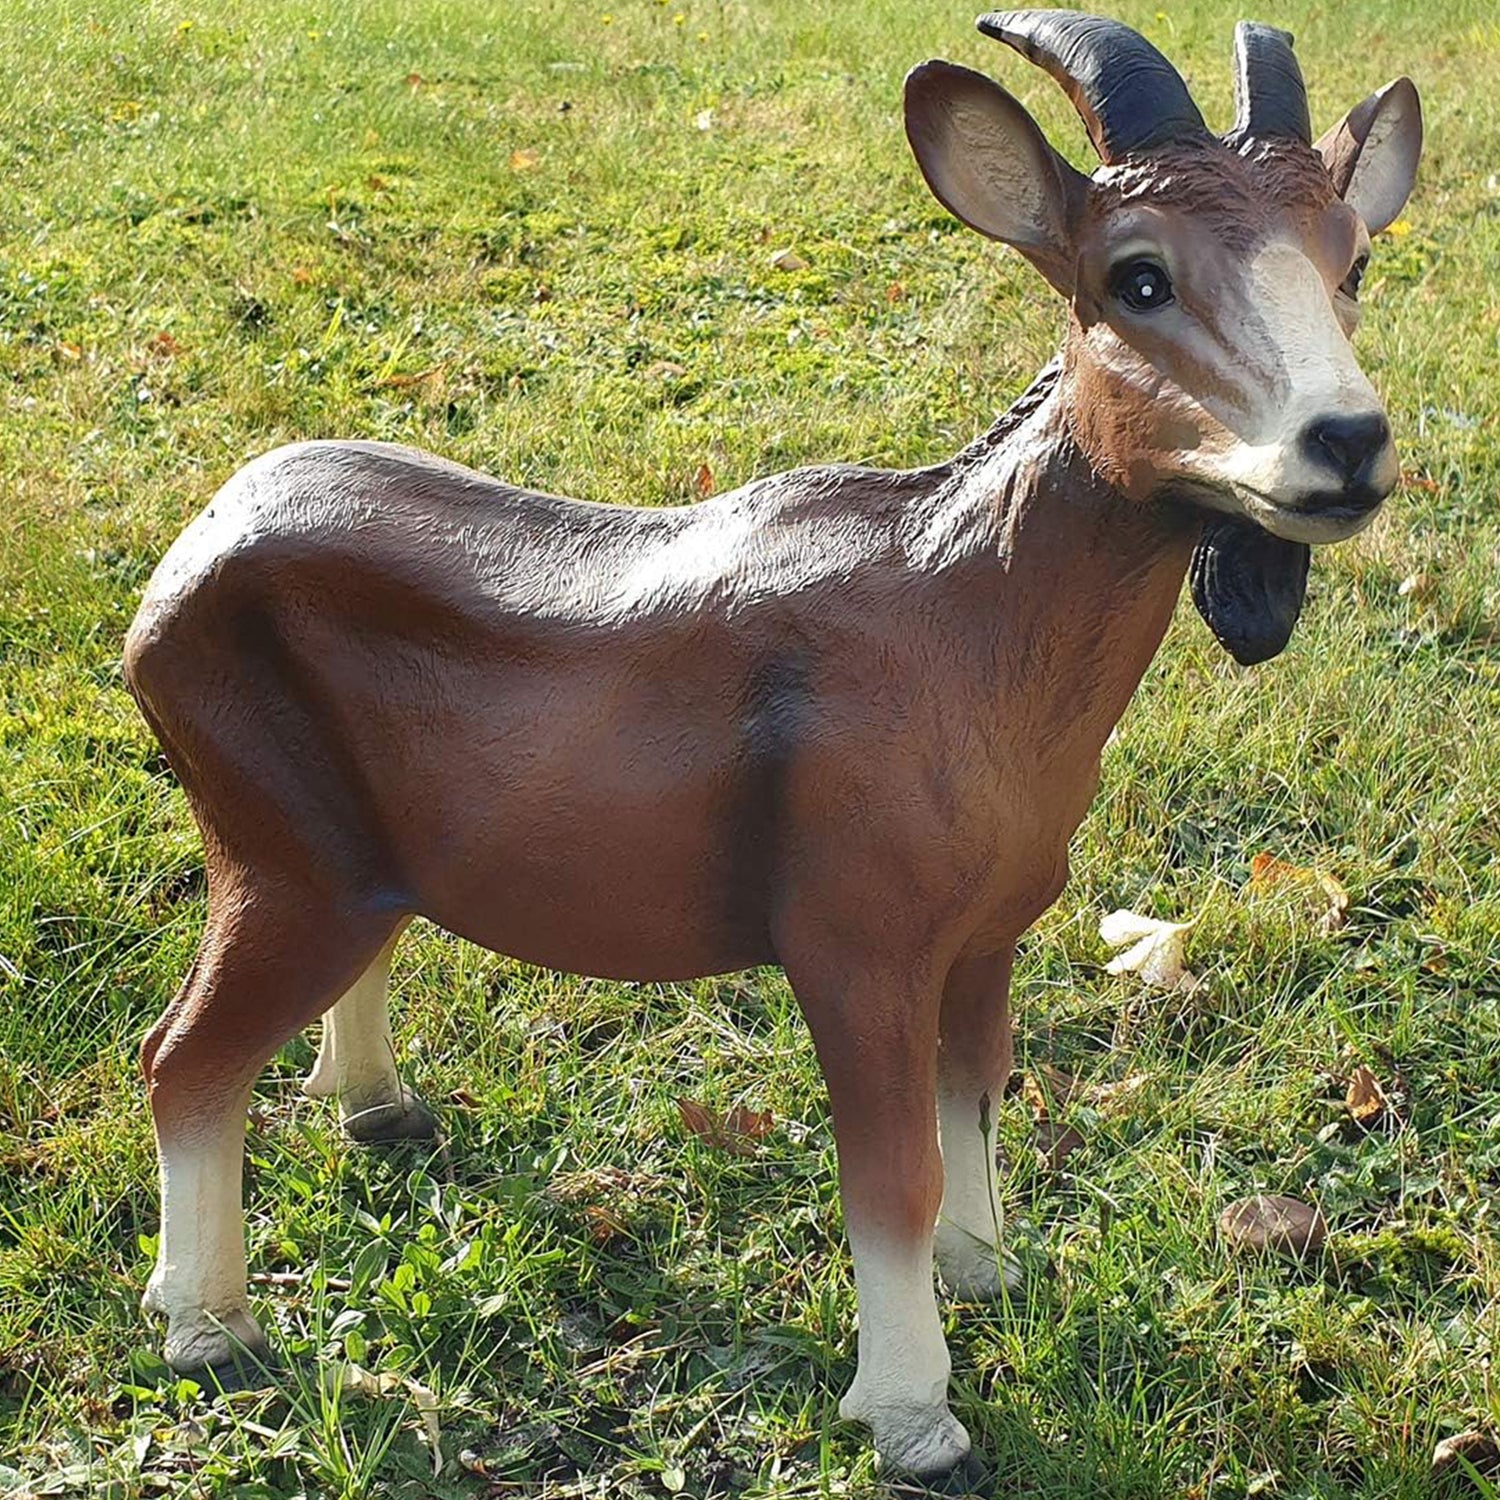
{"x": 841, "y": 720}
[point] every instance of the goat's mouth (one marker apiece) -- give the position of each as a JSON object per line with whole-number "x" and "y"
{"x": 1315, "y": 519}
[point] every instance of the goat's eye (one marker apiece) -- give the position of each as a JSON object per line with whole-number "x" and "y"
{"x": 1350, "y": 287}
{"x": 1142, "y": 285}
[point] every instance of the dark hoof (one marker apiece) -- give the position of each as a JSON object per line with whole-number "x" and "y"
{"x": 384, "y": 1124}
{"x": 968, "y": 1477}
{"x": 246, "y": 1370}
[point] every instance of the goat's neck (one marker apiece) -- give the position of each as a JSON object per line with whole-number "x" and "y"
{"x": 1064, "y": 586}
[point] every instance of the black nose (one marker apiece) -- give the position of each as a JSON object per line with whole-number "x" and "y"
{"x": 1349, "y": 446}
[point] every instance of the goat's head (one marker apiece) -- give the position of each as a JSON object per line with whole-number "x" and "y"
{"x": 1213, "y": 284}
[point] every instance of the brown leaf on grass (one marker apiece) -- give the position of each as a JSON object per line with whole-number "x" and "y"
{"x": 737, "y": 1132}
{"x": 1267, "y": 872}
{"x": 302, "y": 275}
{"x": 895, "y": 292}
{"x": 1272, "y": 1221}
{"x": 415, "y": 80}
{"x": 163, "y": 346}
{"x": 1047, "y": 1089}
{"x": 1421, "y": 482}
{"x": 1479, "y": 1450}
{"x": 525, "y": 159}
{"x": 703, "y": 482}
{"x": 1365, "y": 1100}
{"x": 1055, "y": 1143}
{"x": 753, "y": 1124}
{"x": 787, "y": 260}
{"x": 604, "y": 1223}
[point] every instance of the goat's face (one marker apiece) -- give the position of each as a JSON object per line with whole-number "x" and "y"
{"x": 1213, "y": 285}
{"x": 1214, "y": 295}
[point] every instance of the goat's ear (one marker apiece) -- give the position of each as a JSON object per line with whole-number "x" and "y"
{"x": 987, "y": 162}
{"x": 1372, "y": 153}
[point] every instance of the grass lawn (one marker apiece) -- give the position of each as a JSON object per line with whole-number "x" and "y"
{"x": 537, "y": 236}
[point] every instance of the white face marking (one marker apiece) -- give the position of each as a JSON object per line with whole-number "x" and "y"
{"x": 901, "y": 1386}
{"x": 967, "y": 1242}
{"x": 199, "y": 1280}
{"x": 357, "y": 1057}
{"x": 1260, "y": 454}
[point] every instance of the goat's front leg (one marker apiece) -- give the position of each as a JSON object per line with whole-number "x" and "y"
{"x": 357, "y": 1063}
{"x": 974, "y": 1061}
{"x": 876, "y": 1038}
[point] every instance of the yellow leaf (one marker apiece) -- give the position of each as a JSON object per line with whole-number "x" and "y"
{"x": 524, "y": 159}
{"x": 1399, "y": 228}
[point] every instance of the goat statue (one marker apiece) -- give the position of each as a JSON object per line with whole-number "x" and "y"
{"x": 841, "y": 720}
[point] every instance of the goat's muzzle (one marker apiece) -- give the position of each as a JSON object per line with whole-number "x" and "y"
{"x": 1358, "y": 453}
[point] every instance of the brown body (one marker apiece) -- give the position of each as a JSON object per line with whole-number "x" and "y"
{"x": 840, "y": 719}
{"x": 383, "y": 671}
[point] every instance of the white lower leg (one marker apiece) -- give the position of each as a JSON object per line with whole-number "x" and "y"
{"x": 970, "y": 1257}
{"x": 199, "y": 1280}
{"x": 357, "y": 1057}
{"x": 901, "y": 1386}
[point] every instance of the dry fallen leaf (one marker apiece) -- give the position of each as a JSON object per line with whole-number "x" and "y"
{"x": 703, "y": 481}
{"x": 1155, "y": 951}
{"x": 524, "y": 159}
{"x": 1366, "y": 1100}
{"x": 163, "y": 346}
{"x": 1477, "y": 1449}
{"x": 1274, "y": 1222}
{"x": 1055, "y": 1143}
{"x": 753, "y": 1124}
{"x": 665, "y": 369}
{"x": 704, "y": 119}
{"x": 736, "y": 1132}
{"x": 604, "y": 1223}
{"x": 1418, "y": 587}
{"x": 1268, "y": 872}
{"x": 1048, "y": 1088}
{"x": 355, "y": 1380}
{"x": 1107, "y": 1096}
{"x": 359, "y": 1381}
{"x": 788, "y": 260}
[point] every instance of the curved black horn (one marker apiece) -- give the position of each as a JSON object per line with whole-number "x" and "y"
{"x": 1131, "y": 98}
{"x": 1270, "y": 98}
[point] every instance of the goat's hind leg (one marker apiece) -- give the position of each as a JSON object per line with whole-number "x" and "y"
{"x": 264, "y": 970}
{"x": 974, "y": 1062}
{"x": 357, "y": 1064}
